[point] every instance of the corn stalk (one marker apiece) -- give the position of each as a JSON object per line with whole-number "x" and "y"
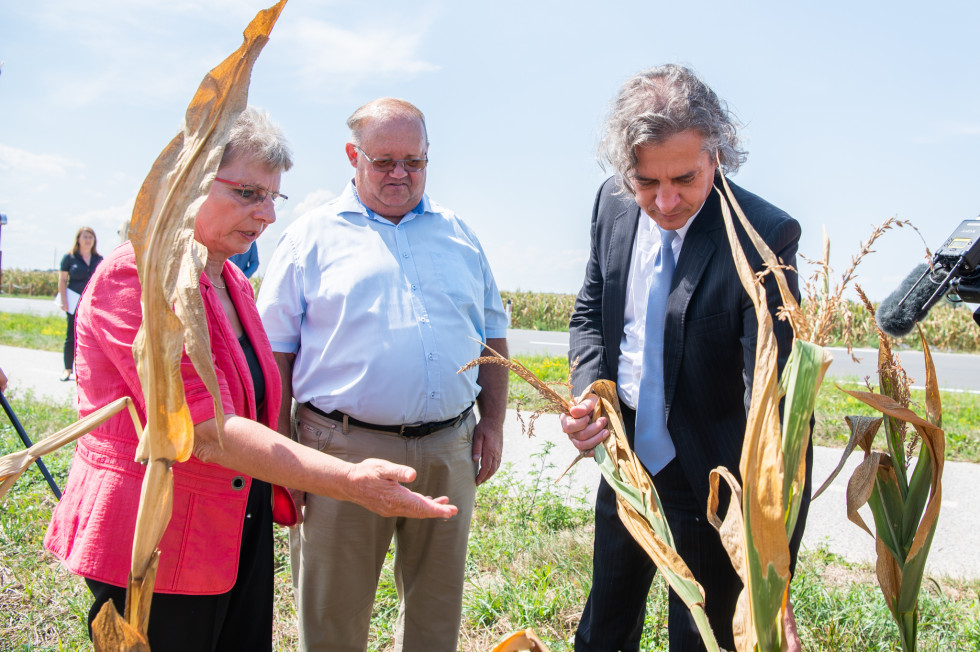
{"x": 170, "y": 263}
{"x": 637, "y": 502}
{"x": 905, "y": 507}
{"x": 763, "y": 512}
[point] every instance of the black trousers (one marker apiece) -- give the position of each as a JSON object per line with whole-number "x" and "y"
{"x": 70, "y": 342}
{"x": 228, "y": 622}
{"x": 623, "y": 572}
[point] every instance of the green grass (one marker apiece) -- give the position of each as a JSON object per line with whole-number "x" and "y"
{"x": 33, "y": 331}
{"x": 529, "y": 564}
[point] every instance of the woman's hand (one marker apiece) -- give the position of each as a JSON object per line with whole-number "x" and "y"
{"x": 377, "y": 485}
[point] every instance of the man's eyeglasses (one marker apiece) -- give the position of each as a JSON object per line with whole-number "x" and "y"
{"x": 254, "y": 194}
{"x": 388, "y": 164}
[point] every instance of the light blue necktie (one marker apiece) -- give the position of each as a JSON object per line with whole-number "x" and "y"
{"x": 652, "y": 442}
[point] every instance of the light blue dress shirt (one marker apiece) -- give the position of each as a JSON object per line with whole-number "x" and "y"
{"x": 381, "y": 316}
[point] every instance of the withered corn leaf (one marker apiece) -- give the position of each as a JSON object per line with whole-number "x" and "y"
{"x": 905, "y": 510}
{"x": 14, "y": 464}
{"x": 170, "y": 263}
{"x": 772, "y": 466}
{"x": 524, "y": 640}
{"x": 640, "y": 509}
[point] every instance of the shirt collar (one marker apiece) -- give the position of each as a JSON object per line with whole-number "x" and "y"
{"x": 351, "y": 203}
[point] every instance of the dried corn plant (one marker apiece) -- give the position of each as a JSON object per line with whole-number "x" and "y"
{"x": 169, "y": 262}
{"x": 553, "y": 401}
{"x": 637, "y": 502}
{"x": 904, "y": 500}
{"x": 14, "y": 464}
{"x": 520, "y": 641}
{"x": 762, "y": 513}
{"x": 825, "y": 308}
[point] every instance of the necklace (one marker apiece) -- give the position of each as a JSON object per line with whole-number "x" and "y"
{"x": 215, "y": 284}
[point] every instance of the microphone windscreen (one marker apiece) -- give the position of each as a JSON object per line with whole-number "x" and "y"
{"x": 897, "y": 318}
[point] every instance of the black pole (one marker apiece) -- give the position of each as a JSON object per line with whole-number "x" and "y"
{"x": 27, "y": 443}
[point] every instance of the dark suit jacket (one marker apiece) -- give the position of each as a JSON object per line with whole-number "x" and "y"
{"x": 710, "y": 329}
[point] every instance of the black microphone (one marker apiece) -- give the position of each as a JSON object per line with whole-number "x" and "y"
{"x": 908, "y": 304}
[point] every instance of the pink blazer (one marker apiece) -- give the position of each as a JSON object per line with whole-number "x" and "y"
{"x": 91, "y": 530}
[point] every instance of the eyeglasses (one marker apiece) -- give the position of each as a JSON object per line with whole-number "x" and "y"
{"x": 254, "y": 195}
{"x": 388, "y": 164}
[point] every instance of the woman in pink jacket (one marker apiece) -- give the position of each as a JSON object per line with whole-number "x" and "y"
{"x": 214, "y": 586}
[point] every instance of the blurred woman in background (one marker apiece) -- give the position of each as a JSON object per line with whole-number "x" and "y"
{"x": 76, "y": 269}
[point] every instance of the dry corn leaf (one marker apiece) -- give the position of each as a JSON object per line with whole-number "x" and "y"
{"x": 640, "y": 509}
{"x": 115, "y": 633}
{"x": 773, "y": 465}
{"x": 732, "y": 532}
{"x": 170, "y": 263}
{"x": 863, "y": 430}
{"x": 14, "y": 464}
{"x": 637, "y": 502}
{"x": 520, "y": 641}
{"x": 860, "y": 486}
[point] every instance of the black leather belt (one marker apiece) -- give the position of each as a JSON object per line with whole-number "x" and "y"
{"x": 418, "y": 430}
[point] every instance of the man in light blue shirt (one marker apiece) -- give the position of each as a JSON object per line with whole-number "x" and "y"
{"x": 372, "y": 303}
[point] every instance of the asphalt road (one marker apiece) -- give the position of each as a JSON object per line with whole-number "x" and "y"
{"x": 956, "y": 371}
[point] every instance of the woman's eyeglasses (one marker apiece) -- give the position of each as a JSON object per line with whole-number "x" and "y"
{"x": 254, "y": 194}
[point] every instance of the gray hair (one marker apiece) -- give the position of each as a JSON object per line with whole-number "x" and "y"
{"x": 255, "y": 137}
{"x": 383, "y": 108}
{"x": 662, "y": 102}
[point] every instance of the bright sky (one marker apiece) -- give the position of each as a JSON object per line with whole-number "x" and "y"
{"x": 853, "y": 112}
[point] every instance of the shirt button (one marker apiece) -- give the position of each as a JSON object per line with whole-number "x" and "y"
{"x": 432, "y": 395}
{"x": 405, "y": 254}
{"x": 432, "y": 357}
{"x": 413, "y": 288}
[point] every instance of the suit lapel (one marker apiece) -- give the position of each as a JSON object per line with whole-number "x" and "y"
{"x": 696, "y": 254}
{"x": 619, "y": 255}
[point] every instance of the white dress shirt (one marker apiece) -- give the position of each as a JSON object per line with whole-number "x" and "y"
{"x": 645, "y": 250}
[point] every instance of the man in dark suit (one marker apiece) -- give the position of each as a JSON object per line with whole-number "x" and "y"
{"x": 683, "y": 362}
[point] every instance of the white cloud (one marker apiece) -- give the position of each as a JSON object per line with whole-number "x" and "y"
{"x": 313, "y": 200}
{"x": 21, "y": 163}
{"x": 328, "y": 54}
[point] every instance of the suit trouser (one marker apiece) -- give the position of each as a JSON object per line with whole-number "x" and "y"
{"x": 623, "y": 572}
{"x": 339, "y": 549}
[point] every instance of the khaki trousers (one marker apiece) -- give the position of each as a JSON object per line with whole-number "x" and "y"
{"x": 338, "y": 551}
